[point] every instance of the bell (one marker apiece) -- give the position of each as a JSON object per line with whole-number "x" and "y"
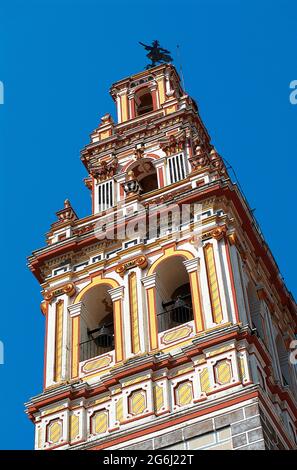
{"x": 104, "y": 338}
{"x": 180, "y": 314}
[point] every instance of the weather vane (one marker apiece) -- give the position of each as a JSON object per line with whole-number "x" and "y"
{"x": 157, "y": 54}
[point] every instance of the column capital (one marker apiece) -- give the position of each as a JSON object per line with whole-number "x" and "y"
{"x": 150, "y": 281}
{"x": 117, "y": 293}
{"x": 75, "y": 309}
{"x": 78, "y": 309}
{"x": 192, "y": 265}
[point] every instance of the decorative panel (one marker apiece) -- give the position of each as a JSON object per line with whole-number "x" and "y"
{"x": 99, "y": 422}
{"x": 176, "y": 334}
{"x": 223, "y": 372}
{"x": 213, "y": 284}
{"x": 184, "y": 393}
{"x": 54, "y": 431}
{"x": 39, "y": 437}
{"x": 97, "y": 364}
{"x": 158, "y": 397}
{"x": 204, "y": 380}
{"x": 59, "y": 340}
{"x": 74, "y": 427}
{"x": 137, "y": 402}
{"x": 134, "y": 313}
{"x": 119, "y": 410}
{"x": 242, "y": 370}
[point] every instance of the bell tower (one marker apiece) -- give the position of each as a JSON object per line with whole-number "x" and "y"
{"x": 168, "y": 325}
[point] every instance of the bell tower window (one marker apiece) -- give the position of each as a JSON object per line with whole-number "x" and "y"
{"x": 176, "y": 168}
{"x": 173, "y": 296}
{"x": 144, "y": 103}
{"x": 97, "y": 327}
{"x": 146, "y": 175}
{"x": 105, "y": 195}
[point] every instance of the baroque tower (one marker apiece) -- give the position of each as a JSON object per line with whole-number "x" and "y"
{"x": 167, "y": 327}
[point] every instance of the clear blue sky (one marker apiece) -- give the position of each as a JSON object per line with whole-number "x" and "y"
{"x": 58, "y": 59}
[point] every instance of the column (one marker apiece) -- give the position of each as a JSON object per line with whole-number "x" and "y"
{"x": 160, "y": 167}
{"x": 75, "y": 312}
{"x": 149, "y": 283}
{"x": 192, "y": 267}
{"x": 117, "y": 295}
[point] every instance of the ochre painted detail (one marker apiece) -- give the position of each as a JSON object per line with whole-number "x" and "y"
{"x": 75, "y": 346}
{"x": 213, "y": 284}
{"x": 118, "y": 331}
{"x": 59, "y": 341}
{"x": 161, "y": 90}
{"x": 158, "y": 397}
{"x": 39, "y": 438}
{"x": 177, "y": 334}
{"x": 204, "y": 380}
{"x": 223, "y": 372}
{"x": 119, "y": 410}
{"x": 68, "y": 289}
{"x": 152, "y": 314}
{"x": 100, "y": 422}
{"x": 137, "y": 402}
{"x": 196, "y": 302}
{"x": 135, "y": 339}
{"x": 184, "y": 393}
{"x": 54, "y": 431}
{"x": 74, "y": 427}
{"x": 242, "y": 368}
{"x": 140, "y": 262}
{"x": 97, "y": 364}
{"x": 52, "y": 410}
{"x": 124, "y": 108}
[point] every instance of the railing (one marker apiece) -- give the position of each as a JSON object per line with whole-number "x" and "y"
{"x": 89, "y": 349}
{"x": 174, "y": 316}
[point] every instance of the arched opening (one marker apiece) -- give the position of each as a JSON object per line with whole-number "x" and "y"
{"x": 173, "y": 294}
{"x": 144, "y": 102}
{"x": 96, "y": 328}
{"x": 255, "y": 309}
{"x": 146, "y": 175}
{"x": 283, "y": 359}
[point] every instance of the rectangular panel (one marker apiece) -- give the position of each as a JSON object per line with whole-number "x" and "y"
{"x": 134, "y": 313}
{"x": 58, "y": 341}
{"x": 213, "y": 284}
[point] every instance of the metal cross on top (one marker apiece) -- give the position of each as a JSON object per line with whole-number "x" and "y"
{"x": 157, "y": 54}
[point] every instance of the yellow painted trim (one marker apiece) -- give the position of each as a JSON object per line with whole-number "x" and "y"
{"x": 196, "y": 302}
{"x": 134, "y": 313}
{"x": 161, "y": 90}
{"x": 153, "y": 327}
{"x": 59, "y": 341}
{"x": 213, "y": 284}
{"x": 118, "y": 333}
{"x": 96, "y": 281}
{"x": 124, "y": 108}
{"x": 75, "y": 346}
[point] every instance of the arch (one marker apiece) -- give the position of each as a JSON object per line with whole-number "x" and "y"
{"x": 96, "y": 281}
{"x": 145, "y": 173}
{"x": 149, "y": 156}
{"x": 183, "y": 253}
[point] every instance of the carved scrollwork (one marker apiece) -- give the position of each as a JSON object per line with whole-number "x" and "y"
{"x": 103, "y": 170}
